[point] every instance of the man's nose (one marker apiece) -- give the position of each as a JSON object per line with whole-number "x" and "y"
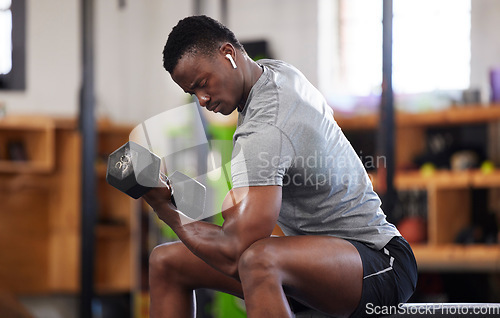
{"x": 203, "y": 99}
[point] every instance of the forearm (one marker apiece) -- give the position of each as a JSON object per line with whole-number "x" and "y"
{"x": 208, "y": 241}
{"x": 250, "y": 214}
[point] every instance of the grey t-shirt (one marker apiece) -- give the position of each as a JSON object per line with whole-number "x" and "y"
{"x": 287, "y": 136}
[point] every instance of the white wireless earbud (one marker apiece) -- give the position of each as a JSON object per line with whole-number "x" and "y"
{"x": 230, "y": 58}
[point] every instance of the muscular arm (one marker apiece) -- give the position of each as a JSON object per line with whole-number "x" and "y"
{"x": 250, "y": 214}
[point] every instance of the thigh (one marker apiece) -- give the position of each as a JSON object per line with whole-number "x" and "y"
{"x": 322, "y": 272}
{"x": 176, "y": 264}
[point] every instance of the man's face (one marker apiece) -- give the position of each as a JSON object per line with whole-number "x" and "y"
{"x": 216, "y": 84}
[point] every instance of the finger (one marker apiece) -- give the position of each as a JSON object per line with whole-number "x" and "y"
{"x": 165, "y": 181}
{"x": 164, "y": 177}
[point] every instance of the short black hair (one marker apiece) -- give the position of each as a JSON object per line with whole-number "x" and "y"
{"x": 196, "y": 34}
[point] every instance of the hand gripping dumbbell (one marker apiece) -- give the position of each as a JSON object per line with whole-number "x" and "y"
{"x": 134, "y": 170}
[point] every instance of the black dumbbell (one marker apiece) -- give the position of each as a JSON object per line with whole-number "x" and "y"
{"x": 133, "y": 170}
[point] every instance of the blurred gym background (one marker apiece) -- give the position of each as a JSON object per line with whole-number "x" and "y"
{"x": 76, "y": 77}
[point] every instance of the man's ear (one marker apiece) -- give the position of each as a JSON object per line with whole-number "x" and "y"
{"x": 228, "y": 48}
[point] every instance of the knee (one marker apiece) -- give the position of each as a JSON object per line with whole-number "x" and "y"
{"x": 260, "y": 259}
{"x": 162, "y": 259}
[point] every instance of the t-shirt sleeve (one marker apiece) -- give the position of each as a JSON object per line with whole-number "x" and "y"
{"x": 261, "y": 158}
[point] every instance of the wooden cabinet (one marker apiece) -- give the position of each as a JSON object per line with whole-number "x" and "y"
{"x": 40, "y": 202}
{"x": 27, "y": 144}
{"x": 117, "y": 225}
{"x": 449, "y": 207}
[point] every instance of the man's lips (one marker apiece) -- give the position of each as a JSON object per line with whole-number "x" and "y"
{"x": 213, "y": 107}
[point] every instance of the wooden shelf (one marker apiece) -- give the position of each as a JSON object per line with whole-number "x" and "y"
{"x": 111, "y": 137}
{"x": 101, "y": 169}
{"x": 443, "y": 179}
{"x": 466, "y": 114}
{"x": 481, "y": 180}
{"x": 446, "y": 179}
{"x": 113, "y": 231}
{"x": 115, "y": 264}
{"x": 449, "y": 199}
{"x": 26, "y": 167}
{"x": 42, "y": 210}
{"x": 116, "y": 243}
{"x": 109, "y": 127}
{"x": 469, "y": 114}
{"x": 34, "y": 139}
{"x": 460, "y": 258}
{"x": 361, "y": 122}
{"x": 26, "y": 122}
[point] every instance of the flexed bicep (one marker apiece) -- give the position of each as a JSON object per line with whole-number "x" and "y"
{"x": 250, "y": 214}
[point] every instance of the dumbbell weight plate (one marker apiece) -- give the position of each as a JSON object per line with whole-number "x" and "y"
{"x": 133, "y": 169}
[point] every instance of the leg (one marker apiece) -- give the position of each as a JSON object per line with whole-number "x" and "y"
{"x": 324, "y": 273}
{"x": 174, "y": 274}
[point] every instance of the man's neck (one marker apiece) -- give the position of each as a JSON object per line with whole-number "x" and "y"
{"x": 252, "y": 73}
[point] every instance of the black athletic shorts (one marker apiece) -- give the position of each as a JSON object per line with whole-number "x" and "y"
{"x": 389, "y": 276}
